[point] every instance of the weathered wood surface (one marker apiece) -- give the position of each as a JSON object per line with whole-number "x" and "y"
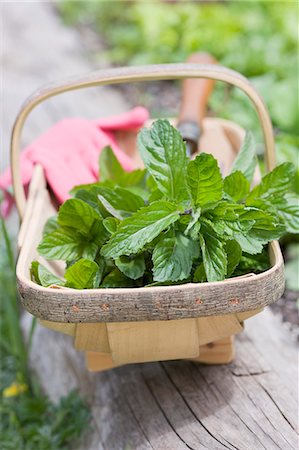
{"x": 249, "y": 404}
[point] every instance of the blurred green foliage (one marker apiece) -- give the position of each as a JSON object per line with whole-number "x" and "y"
{"x": 256, "y": 38}
{"x": 28, "y": 420}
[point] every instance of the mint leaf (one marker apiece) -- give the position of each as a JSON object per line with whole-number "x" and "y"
{"x": 119, "y": 202}
{"x": 173, "y": 258}
{"x": 132, "y": 267}
{"x": 111, "y": 224}
{"x": 213, "y": 254}
{"x": 84, "y": 274}
{"x": 77, "y": 214}
{"x": 288, "y": 211}
{"x": 204, "y": 179}
{"x": 236, "y": 186}
{"x": 51, "y": 225}
{"x": 43, "y": 276}
{"x": 135, "y": 178}
{"x": 164, "y": 155}
{"x": 246, "y": 159}
{"x": 61, "y": 244}
{"x": 233, "y": 252}
{"x": 141, "y": 228}
{"x": 200, "y": 274}
{"x": 110, "y": 168}
{"x": 274, "y": 184}
{"x": 116, "y": 279}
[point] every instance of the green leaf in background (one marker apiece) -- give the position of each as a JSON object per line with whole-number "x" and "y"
{"x": 163, "y": 152}
{"x": 119, "y": 202}
{"x": 84, "y": 274}
{"x": 116, "y": 279}
{"x": 233, "y": 252}
{"x": 204, "y": 179}
{"x": 173, "y": 258}
{"x": 236, "y": 186}
{"x": 110, "y": 167}
{"x": 213, "y": 254}
{"x": 132, "y": 267}
{"x": 135, "y": 178}
{"x": 43, "y": 276}
{"x": 246, "y": 159}
{"x": 141, "y": 228}
{"x": 273, "y": 184}
{"x": 61, "y": 244}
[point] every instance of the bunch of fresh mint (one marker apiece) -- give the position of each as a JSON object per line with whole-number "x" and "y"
{"x": 176, "y": 221}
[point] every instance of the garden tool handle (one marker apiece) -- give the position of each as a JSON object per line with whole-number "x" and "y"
{"x": 134, "y": 74}
{"x": 195, "y": 96}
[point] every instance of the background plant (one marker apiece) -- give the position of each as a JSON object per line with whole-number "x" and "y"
{"x": 28, "y": 419}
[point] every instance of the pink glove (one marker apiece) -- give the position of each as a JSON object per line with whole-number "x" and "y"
{"x": 69, "y": 153}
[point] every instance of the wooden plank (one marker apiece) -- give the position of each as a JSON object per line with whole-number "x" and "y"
{"x": 214, "y": 328}
{"x": 153, "y": 341}
{"x": 92, "y": 337}
{"x": 248, "y": 404}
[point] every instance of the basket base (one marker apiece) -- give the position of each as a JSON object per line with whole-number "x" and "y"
{"x": 218, "y": 352}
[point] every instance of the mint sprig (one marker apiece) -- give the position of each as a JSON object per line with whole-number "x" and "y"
{"x": 174, "y": 222}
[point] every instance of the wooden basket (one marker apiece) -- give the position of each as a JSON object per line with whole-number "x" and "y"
{"x": 119, "y": 326}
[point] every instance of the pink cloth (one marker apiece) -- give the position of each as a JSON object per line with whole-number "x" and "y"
{"x": 69, "y": 152}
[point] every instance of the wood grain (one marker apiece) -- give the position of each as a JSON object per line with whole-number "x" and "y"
{"x": 248, "y": 404}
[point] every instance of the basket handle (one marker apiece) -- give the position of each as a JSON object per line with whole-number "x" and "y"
{"x": 134, "y": 74}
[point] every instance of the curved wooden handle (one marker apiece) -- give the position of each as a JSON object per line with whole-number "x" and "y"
{"x": 133, "y": 74}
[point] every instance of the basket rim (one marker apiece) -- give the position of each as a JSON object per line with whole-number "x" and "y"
{"x": 190, "y": 300}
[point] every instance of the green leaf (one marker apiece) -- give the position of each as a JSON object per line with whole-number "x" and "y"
{"x": 51, "y": 225}
{"x": 61, "y": 245}
{"x": 194, "y": 225}
{"x": 246, "y": 160}
{"x": 200, "y": 274}
{"x": 204, "y": 179}
{"x": 119, "y": 202}
{"x": 213, "y": 254}
{"x": 84, "y": 274}
{"x": 253, "y": 263}
{"x": 274, "y": 184}
{"x": 236, "y": 186}
{"x": 288, "y": 210}
{"x": 43, "y": 276}
{"x": 116, "y": 279}
{"x": 173, "y": 258}
{"x": 111, "y": 224}
{"x": 110, "y": 168}
{"x": 164, "y": 155}
{"x": 77, "y": 214}
{"x": 135, "y": 178}
{"x": 233, "y": 252}
{"x": 132, "y": 267}
{"x": 141, "y": 228}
